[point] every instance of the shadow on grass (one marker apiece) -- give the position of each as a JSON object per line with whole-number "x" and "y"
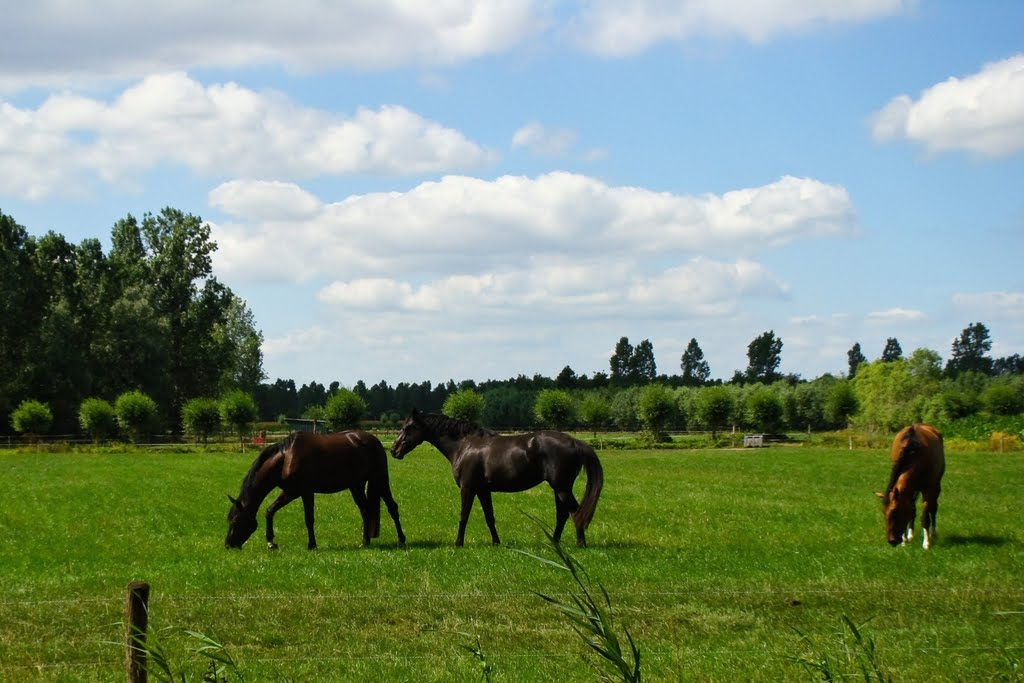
{"x": 976, "y": 539}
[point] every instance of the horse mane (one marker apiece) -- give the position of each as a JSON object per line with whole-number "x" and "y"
{"x": 906, "y": 457}
{"x": 454, "y": 427}
{"x": 250, "y": 477}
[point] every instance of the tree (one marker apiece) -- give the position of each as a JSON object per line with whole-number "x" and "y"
{"x": 624, "y": 409}
{"x": 344, "y": 410}
{"x": 969, "y": 351}
{"x": 465, "y": 404}
{"x": 656, "y": 408}
{"x": 892, "y": 351}
{"x": 764, "y": 355}
{"x": 556, "y": 408}
{"x": 200, "y": 417}
{"x": 1004, "y": 398}
{"x": 714, "y": 408}
{"x": 32, "y": 418}
{"x": 642, "y": 368}
{"x": 1009, "y": 365}
{"x": 136, "y": 414}
{"x": 764, "y": 410}
{"x": 238, "y": 409}
{"x": 854, "y": 358}
{"x": 595, "y": 412}
{"x": 696, "y": 370}
{"x": 566, "y": 379}
{"x": 242, "y": 344}
{"x": 840, "y": 404}
{"x": 97, "y": 418}
{"x": 894, "y": 394}
{"x": 620, "y": 362}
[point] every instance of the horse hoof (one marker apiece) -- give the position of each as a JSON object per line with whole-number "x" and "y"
{"x": 271, "y": 545}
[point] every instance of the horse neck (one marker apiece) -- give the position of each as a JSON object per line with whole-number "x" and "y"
{"x": 448, "y": 445}
{"x": 261, "y": 484}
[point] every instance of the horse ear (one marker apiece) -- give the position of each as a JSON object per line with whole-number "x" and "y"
{"x": 879, "y": 494}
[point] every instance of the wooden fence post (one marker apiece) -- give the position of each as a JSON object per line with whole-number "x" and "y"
{"x": 137, "y": 620}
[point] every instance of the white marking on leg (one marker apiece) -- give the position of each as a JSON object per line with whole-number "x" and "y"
{"x": 909, "y": 534}
{"x": 928, "y": 533}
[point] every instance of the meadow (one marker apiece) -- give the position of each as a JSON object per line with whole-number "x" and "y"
{"x": 725, "y": 565}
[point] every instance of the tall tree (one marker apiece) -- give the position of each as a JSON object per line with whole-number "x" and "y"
{"x": 620, "y": 362}
{"x": 764, "y": 355}
{"x": 892, "y": 351}
{"x": 567, "y": 378}
{"x": 642, "y": 367}
{"x": 696, "y": 370}
{"x": 854, "y": 357}
{"x": 238, "y": 339}
{"x": 969, "y": 353}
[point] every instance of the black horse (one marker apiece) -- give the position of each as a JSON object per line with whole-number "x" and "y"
{"x": 484, "y": 462}
{"x": 304, "y": 464}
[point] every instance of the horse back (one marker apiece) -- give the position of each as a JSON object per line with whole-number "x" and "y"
{"x": 332, "y": 462}
{"x": 919, "y": 457}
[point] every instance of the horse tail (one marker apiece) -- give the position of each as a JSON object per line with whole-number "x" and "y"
{"x": 595, "y": 482}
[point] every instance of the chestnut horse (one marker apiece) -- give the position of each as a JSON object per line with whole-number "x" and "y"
{"x": 484, "y": 462}
{"x": 304, "y": 464}
{"x": 918, "y": 463}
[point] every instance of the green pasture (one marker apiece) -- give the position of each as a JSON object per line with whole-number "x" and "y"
{"x": 716, "y": 561}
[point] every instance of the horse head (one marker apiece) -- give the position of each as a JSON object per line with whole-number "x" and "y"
{"x": 898, "y": 510}
{"x": 241, "y": 524}
{"x": 411, "y": 436}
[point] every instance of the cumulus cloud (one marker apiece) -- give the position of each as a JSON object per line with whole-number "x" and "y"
{"x": 544, "y": 141}
{"x": 613, "y": 28}
{"x": 468, "y": 225}
{"x": 992, "y": 305}
{"x": 895, "y": 315}
{"x": 982, "y": 113}
{"x": 218, "y": 130}
{"x": 53, "y": 43}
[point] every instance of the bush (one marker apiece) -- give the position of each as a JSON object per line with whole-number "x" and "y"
{"x": 97, "y": 418}
{"x": 555, "y": 408}
{"x": 136, "y": 414}
{"x": 238, "y": 410}
{"x": 32, "y": 418}
{"x": 656, "y": 409}
{"x": 1003, "y": 399}
{"x": 764, "y": 410}
{"x": 200, "y": 418}
{"x": 595, "y": 412}
{"x": 344, "y": 409}
{"x": 465, "y": 404}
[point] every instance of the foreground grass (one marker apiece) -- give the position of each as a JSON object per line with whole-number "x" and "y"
{"x": 723, "y": 565}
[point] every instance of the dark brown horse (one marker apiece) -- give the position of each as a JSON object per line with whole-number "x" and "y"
{"x": 918, "y": 463}
{"x": 484, "y": 462}
{"x": 304, "y": 464}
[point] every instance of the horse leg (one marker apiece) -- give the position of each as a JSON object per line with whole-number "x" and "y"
{"x": 467, "y": 504}
{"x": 363, "y": 503}
{"x": 929, "y": 514}
{"x": 389, "y": 500}
{"x": 485, "y": 502}
{"x": 570, "y": 505}
{"x": 307, "y": 507}
{"x": 561, "y": 516}
{"x": 279, "y": 503}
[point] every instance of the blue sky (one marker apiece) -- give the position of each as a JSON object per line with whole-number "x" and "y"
{"x": 475, "y": 190}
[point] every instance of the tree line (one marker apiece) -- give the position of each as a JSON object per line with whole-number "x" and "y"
{"x": 79, "y": 326}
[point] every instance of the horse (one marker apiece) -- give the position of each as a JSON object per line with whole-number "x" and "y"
{"x": 484, "y": 462}
{"x": 304, "y": 464}
{"x": 918, "y": 463}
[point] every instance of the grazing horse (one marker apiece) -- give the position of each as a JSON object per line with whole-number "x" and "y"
{"x": 918, "y": 462}
{"x": 304, "y": 464}
{"x": 484, "y": 462}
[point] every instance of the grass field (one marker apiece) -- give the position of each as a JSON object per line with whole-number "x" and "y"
{"x": 713, "y": 559}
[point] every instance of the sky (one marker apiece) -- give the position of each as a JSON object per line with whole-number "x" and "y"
{"x": 410, "y": 191}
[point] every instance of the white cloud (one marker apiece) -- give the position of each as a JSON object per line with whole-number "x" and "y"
{"x": 53, "y": 43}
{"x": 544, "y": 141}
{"x": 614, "y": 28}
{"x": 216, "y": 130}
{"x": 991, "y": 305}
{"x": 982, "y": 113}
{"x": 466, "y": 225}
{"x": 895, "y": 315}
